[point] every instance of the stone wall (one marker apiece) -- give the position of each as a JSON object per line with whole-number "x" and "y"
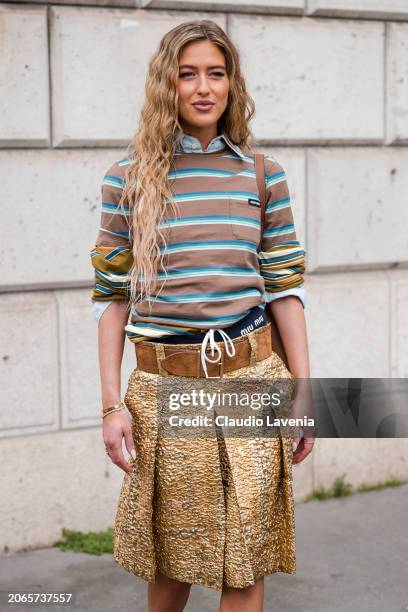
{"x": 330, "y": 82}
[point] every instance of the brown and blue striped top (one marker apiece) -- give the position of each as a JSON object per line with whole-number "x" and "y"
{"x": 214, "y": 274}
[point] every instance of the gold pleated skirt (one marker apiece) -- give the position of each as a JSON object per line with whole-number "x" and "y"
{"x": 214, "y": 511}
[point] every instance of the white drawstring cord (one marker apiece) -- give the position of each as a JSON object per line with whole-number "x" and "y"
{"x": 210, "y": 336}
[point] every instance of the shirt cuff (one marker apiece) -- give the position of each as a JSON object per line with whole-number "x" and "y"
{"x": 299, "y": 292}
{"x": 98, "y": 308}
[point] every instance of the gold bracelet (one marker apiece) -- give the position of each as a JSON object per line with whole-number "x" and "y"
{"x": 114, "y": 408}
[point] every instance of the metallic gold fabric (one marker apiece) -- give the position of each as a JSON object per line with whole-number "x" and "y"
{"x": 209, "y": 511}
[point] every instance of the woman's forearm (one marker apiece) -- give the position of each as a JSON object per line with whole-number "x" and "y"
{"x": 288, "y": 313}
{"x": 111, "y": 339}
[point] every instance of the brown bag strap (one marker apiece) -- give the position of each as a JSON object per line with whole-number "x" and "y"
{"x": 277, "y": 344}
{"x": 260, "y": 180}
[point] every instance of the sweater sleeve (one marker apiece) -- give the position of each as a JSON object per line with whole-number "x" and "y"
{"x": 282, "y": 256}
{"x": 112, "y": 256}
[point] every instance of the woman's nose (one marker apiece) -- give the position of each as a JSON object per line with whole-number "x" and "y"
{"x": 203, "y": 85}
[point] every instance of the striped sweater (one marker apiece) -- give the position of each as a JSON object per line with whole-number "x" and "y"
{"x": 214, "y": 274}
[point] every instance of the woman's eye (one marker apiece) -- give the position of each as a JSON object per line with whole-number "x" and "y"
{"x": 216, "y": 73}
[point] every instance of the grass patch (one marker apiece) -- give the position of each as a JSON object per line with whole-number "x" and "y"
{"x": 391, "y": 482}
{"x": 318, "y": 494}
{"x": 92, "y": 542}
{"x": 341, "y": 488}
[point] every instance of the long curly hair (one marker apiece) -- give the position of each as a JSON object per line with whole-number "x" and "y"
{"x": 151, "y": 151}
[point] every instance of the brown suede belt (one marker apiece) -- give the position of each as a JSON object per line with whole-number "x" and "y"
{"x": 185, "y": 359}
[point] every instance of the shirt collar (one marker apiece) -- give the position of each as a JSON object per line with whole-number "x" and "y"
{"x": 186, "y": 143}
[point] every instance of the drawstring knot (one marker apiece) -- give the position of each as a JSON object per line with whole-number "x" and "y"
{"x": 209, "y": 336}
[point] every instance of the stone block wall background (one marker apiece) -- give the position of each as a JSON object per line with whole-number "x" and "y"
{"x": 330, "y": 82}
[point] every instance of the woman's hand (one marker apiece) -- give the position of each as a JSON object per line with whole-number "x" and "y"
{"x": 115, "y": 427}
{"x": 303, "y": 408}
{"x": 303, "y": 447}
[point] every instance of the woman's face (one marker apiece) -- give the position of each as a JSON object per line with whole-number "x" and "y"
{"x": 202, "y": 78}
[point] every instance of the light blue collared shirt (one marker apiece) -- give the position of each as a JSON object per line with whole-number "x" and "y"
{"x": 186, "y": 143}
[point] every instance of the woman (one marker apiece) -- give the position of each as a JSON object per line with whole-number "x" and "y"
{"x": 183, "y": 208}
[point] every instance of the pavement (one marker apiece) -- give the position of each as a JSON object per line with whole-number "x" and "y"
{"x": 352, "y": 555}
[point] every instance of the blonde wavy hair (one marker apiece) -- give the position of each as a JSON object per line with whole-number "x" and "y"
{"x": 151, "y": 150}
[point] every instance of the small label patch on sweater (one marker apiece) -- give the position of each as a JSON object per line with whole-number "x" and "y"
{"x": 253, "y": 202}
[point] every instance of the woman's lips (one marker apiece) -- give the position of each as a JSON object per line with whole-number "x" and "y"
{"x": 203, "y": 107}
